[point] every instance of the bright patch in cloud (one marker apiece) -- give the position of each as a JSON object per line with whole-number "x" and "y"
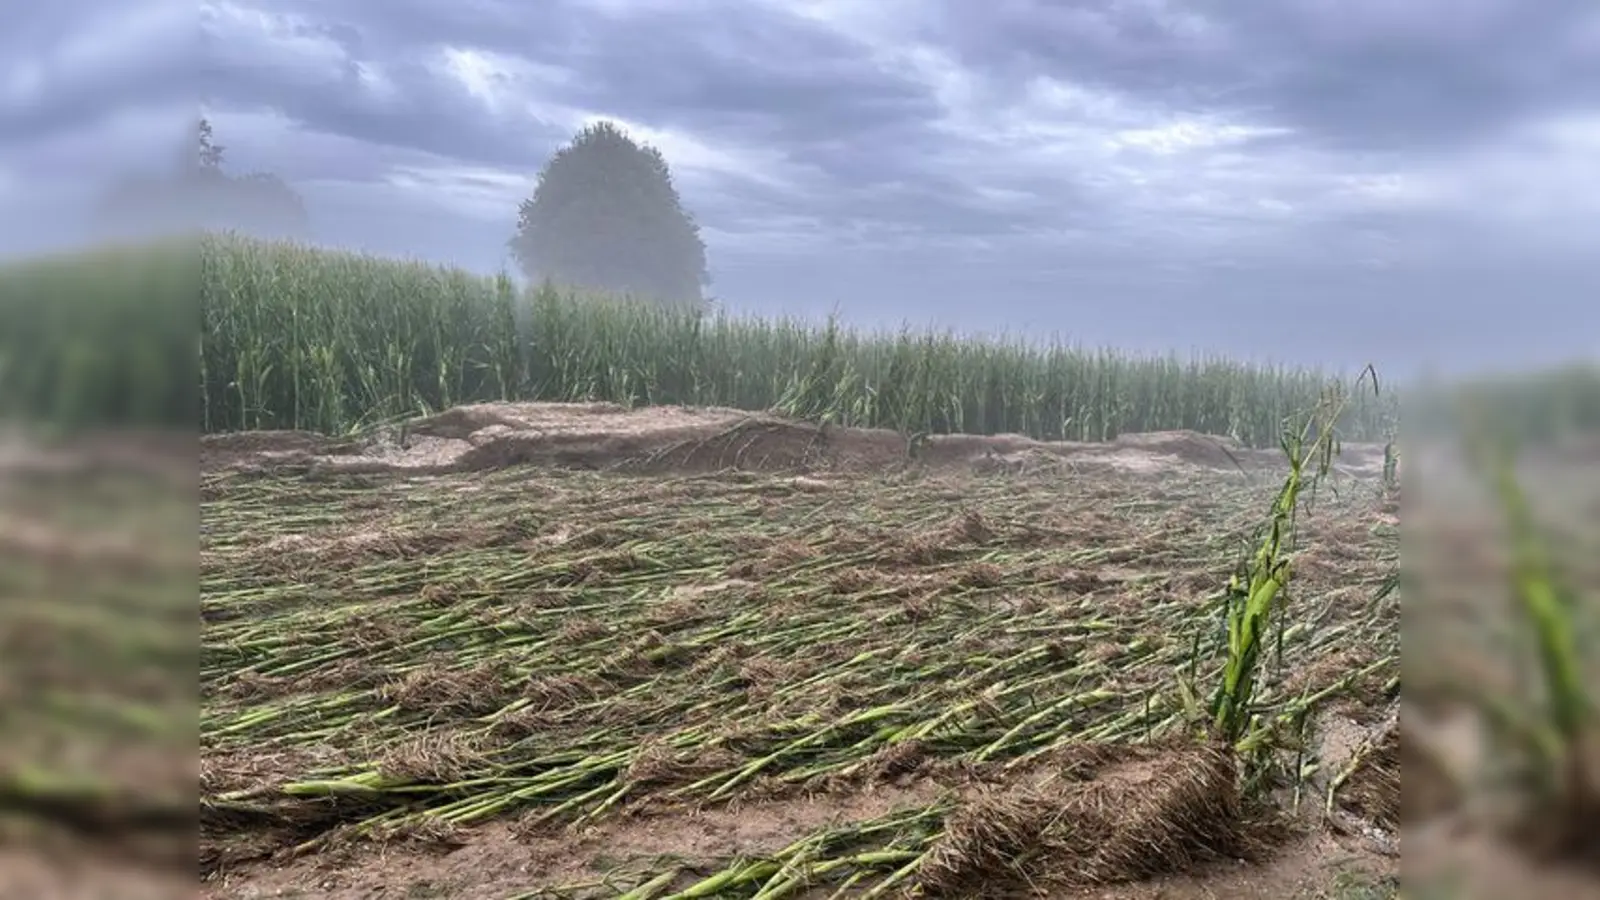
{"x": 696, "y": 159}
{"x": 852, "y": 17}
{"x": 1056, "y": 98}
{"x": 377, "y": 84}
{"x": 503, "y": 84}
{"x": 478, "y": 73}
{"x": 1188, "y": 135}
{"x": 481, "y": 193}
{"x": 622, "y": 9}
{"x": 1391, "y": 191}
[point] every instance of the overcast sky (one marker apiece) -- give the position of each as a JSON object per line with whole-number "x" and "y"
{"x": 1330, "y": 181}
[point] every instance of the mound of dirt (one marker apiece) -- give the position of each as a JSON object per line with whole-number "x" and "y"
{"x": 663, "y": 438}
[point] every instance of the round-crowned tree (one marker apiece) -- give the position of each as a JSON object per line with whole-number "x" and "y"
{"x": 605, "y": 216}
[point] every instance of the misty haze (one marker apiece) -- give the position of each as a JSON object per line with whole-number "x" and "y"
{"x": 817, "y": 449}
{"x": 1150, "y": 176}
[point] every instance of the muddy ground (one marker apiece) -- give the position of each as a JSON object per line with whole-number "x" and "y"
{"x": 722, "y": 514}
{"x": 1002, "y": 521}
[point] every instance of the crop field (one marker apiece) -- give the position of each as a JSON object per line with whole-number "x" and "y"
{"x": 512, "y": 594}
{"x": 644, "y": 673}
{"x": 295, "y": 338}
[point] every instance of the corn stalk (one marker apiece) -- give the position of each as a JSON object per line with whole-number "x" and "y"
{"x": 1259, "y": 589}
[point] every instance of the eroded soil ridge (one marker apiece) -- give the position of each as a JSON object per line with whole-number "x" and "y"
{"x": 604, "y": 436}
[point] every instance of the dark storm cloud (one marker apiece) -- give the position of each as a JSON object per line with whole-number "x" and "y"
{"x": 743, "y": 73}
{"x": 861, "y": 137}
{"x": 311, "y": 71}
{"x": 1052, "y": 164}
{"x": 1411, "y": 76}
{"x": 727, "y": 64}
{"x": 750, "y": 72}
{"x": 1365, "y": 75}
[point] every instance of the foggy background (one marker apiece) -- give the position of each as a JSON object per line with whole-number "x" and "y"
{"x": 1303, "y": 181}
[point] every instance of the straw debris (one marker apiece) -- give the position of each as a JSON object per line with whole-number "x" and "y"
{"x": 1131, "y": 821}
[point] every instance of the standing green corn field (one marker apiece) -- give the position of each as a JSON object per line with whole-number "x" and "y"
{"x": 305, "y": 339}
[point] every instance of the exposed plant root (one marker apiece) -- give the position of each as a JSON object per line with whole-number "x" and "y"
{"x": 1134, "y": 820}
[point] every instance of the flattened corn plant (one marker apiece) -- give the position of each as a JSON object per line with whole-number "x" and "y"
{"x": 390, "y": 658}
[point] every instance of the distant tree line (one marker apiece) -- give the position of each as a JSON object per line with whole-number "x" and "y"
{"x": 604, "y": 215}
{"x": 199, "y": 195}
